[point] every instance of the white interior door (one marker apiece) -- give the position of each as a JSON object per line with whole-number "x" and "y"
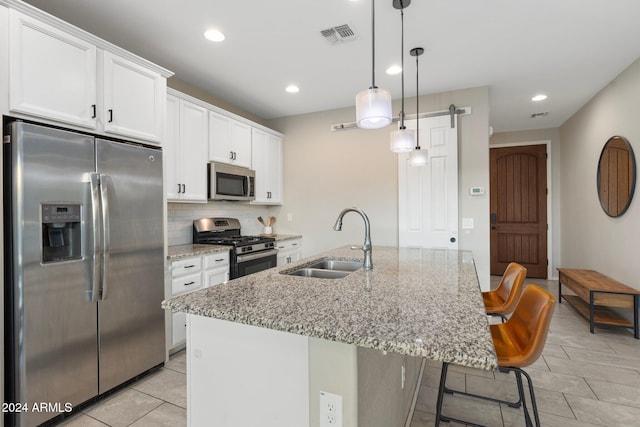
{"x": 428, "y": 195}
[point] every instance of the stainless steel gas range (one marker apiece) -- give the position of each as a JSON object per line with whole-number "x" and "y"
{"x": 250, "y": 254}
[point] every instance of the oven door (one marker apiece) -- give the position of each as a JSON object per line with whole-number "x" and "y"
{"x": 252, "y": 263}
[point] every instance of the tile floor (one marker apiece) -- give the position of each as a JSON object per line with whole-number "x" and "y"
{"x": 582, "y": 379}
{"x": 157, "y": 400}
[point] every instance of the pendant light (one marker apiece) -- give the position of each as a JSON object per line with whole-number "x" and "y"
{"x": 373, "y": 106}
{"x": 417, "y": 157}
{"x": 402, "y": 140}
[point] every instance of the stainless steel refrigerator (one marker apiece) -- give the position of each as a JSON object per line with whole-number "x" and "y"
{"x": 83, "y": 267}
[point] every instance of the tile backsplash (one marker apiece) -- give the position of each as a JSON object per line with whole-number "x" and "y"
{"x": 180, "y": 218}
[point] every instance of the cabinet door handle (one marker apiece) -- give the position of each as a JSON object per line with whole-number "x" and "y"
{"x": 230, "y": 155}
{"x": 189, "y": 266}
{"x": 93, "y": 109}
{"x": 189, "y": 284}
{"x": 179, "y": 189}
{"x": 184, "y": 188}
{"x": 294, "y": 244}
{"x": 218, "y": 260}
{"x": 110, "y": 115}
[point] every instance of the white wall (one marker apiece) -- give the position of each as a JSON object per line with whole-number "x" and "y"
{"x": 326, "y": 171}
{"x": 590, "y": 239}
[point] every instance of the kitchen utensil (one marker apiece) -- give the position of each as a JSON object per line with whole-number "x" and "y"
{"x": 261, "y": 221}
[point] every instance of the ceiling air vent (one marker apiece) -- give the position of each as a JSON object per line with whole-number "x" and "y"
{"x": 536, "y": 115}
{"x": 339, "y": 34}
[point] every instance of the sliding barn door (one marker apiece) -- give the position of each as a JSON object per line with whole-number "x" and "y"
{"x": 428, "y": 195}
{"x": 519, "y": 208}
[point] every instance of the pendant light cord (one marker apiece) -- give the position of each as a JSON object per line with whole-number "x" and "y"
{"x": 402, "y": 66}
{"x": 417, "y": 107}
{"x": 373, "y": 44}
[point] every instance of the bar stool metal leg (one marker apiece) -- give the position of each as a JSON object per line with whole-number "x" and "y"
{"x": 520, "y": 403}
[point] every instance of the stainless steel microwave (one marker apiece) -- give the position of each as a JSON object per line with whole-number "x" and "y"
{"x": 229, "y": 182}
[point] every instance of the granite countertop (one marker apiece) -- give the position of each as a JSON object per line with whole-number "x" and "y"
{"x": 185, "y": 251}
{"x": 419, "y": 302}
{"x": 281, "y": 237}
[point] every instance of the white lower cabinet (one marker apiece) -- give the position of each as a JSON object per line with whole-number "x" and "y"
{"x": 188, "y": 275}
{"x": 216, "y": 269}
{"x": 178, "y": 328}
{"x": 289, "y": 251}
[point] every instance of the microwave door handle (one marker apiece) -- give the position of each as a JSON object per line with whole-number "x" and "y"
{"x": 95, "y": 222}
{"x": 105, "y": 181}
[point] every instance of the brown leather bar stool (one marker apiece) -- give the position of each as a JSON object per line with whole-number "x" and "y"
{"x": 518, "y": 343}
{"x": 503, "y": 300}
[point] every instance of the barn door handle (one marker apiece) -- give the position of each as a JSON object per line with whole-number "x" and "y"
{"x": 493, "y": 218}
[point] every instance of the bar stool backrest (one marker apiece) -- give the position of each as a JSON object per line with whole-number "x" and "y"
{"x": 511, "y": 285}
{"x": 527, "y": 328}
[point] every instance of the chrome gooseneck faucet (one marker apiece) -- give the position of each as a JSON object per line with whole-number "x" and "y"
{"x": 366, "y": 248}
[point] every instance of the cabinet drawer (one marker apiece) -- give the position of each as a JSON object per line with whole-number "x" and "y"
{"x": 186, "y": 283}
{"x": 178, "y": 328}
{"x": 289, "y": 244}
{"x": 186, "y": 266}
{"x": 216, "y": 260}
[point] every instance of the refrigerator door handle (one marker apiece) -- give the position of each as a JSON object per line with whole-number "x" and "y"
{"x": 94, "y": 181}
{"x": 105, "y": 181}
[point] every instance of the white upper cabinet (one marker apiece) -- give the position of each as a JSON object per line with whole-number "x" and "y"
{"x": 52, "y": 74}
{"x": 229, "y": 140}
{"x": 185, "y": 151}
{"x": 170, "y": 150}
{"x": 75, "y": 78}
{"x": 133, "y": 99}
{"x": 266, "y": 153}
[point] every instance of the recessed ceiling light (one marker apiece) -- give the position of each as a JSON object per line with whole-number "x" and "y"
{"x": 540, "y": 97}
{"x": 292, "y": 89}
{"x": 394, "y": 69}
{"x": 214, "y": 35}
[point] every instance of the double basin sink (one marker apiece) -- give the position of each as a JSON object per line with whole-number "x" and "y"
{"x": 326, "y": 268}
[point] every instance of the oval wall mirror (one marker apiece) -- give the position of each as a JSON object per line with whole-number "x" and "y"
{"x": 616, "y": 176}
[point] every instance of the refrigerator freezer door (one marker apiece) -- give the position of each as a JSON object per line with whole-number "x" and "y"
{"x": 131, "y": 321}
{"x": 52, "y": 321}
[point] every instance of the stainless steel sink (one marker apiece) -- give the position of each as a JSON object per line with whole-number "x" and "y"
{"x": 326, "y": 268}
{"x": 322, "y": 274}
{"x": 337, "y": 264}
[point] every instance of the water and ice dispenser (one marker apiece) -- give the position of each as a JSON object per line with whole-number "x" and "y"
{"x": 61, "y": 232}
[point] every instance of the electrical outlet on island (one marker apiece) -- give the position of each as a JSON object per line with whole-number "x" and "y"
{"x": 330, "y": 410}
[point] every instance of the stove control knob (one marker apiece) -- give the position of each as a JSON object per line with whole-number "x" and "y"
{"x": 247, "y": 249}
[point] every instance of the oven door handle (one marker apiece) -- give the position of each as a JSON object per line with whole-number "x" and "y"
{"x": 261, "y": 254}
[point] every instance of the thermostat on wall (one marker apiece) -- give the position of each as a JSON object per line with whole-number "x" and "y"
{"x": 476, "y": 191}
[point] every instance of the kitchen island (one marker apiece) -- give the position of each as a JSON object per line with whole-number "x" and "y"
{"x": 267, "y": 344}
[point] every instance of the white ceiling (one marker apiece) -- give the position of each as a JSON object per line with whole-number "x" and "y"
{"x": 568, "y": 49}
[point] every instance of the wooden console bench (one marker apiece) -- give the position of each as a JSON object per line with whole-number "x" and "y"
{"x": 595, "y": 294}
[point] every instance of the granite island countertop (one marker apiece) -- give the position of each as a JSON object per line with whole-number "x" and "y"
{"x": 419, "y": 302}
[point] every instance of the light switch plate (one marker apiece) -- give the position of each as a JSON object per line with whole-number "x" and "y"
{"x": 467, "y": 223}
